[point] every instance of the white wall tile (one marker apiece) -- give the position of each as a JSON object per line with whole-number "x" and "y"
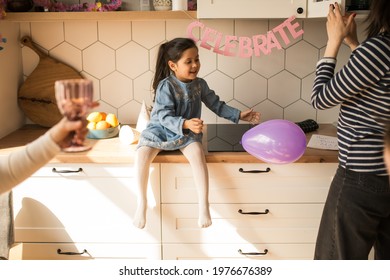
{"x": 307, "y": 86}
{"x": 299, "y": 111}
{"x": 132, "y": 60}
{"x": 250, "y": 89}
{"x": 10, "y": 76}
{"x": 208, "y": 61}
{"x": 98, "y": 60}
{"x": 116, "y": 89}
{"x": 148, "y": 33}
{"x": 114, "y": 33}
{"x": 128, "y": 113}
{"x": 233, "y": 66}
{"x": 315, "y": 32}
{"x": 301, "y": 59}
{"x": 270, "y": 64}
{"x": 248, "y": 28}
{"x": 284, "y": 88}
{"x": 68, "y": 54}
{"x": 221, "y": 84}
{"x": 143, "y": 88}
{"x": 269, "y": 110}
{"x": 81, "y": 34}
{"x": 41, "y": 30}
{"x": 178, "y": 28}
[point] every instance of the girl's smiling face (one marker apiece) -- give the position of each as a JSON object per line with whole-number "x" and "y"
{"x": 187, "y": 67}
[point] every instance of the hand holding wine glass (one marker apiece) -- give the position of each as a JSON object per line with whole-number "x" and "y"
{"x": 74, "y": 99}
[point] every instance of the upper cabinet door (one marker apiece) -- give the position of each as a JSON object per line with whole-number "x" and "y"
{"x": 263, "y": 8}
{"x": 320, "y": 8}
{"x": 251, "y": 8}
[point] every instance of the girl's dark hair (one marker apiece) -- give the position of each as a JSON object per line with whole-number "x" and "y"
{"x": 171, "y": 50}
{"x": 378, "y": 18}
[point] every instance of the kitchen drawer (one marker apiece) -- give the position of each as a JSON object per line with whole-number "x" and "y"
{"x": 284, "y": 223}
{"x": 85, "y": 209}
{"x": 291, "y": 183}
{"x": 84, "y": 251}
{"x": 85, "y": 170}
{"x": 232, "y": 251}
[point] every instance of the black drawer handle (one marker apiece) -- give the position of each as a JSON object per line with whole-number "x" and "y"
{"x": 59, "y": 252}
{"x": 253, "y": 253}
{"x": 266, "y": 211}
{"x": 54, "y": 170}
{"x": 254, "y": 171}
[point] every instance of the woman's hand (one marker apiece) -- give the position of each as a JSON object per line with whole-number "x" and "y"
{"x": 339, "y": 28}
{"x": 351, "y": 39}
{"x": 250, "y": 116}
{"x": 63, "y": 131}
{"x": 195, "y": 125}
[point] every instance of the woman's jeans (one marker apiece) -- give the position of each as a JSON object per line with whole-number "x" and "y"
{"x": 356, "y": 217}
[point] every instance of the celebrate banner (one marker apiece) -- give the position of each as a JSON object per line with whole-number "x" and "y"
{"x": 257, "y": 45}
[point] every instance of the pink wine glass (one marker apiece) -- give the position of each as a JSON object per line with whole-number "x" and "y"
{"x": 74, "y": 99}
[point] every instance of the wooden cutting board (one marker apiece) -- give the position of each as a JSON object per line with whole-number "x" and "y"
{"x": 36, "y": 96}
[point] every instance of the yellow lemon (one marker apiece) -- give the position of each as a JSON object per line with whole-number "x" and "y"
{"x": 112, "y": 120}
{"x": 91, "y": 125}
{"x": 94, "y": 117}
{"x": 102, "y": 125}
{"x": 104, "y": 115}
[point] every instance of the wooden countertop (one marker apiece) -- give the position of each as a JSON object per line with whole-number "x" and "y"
{"x": 113, "y": 151}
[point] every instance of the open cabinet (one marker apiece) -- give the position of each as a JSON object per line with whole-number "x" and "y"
{"x": 264, "y": 8}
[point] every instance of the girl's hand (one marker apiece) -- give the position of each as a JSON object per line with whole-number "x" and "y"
{"x": 250, "y": 116}
{"x": 195, "y": 125}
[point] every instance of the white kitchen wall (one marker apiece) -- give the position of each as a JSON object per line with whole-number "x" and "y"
{"x": 119, "y": 56}
{"x": 11, "y": 117}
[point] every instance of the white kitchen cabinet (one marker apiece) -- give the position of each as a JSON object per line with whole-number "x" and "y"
{"x": 88, "y": 204}
{"x": 231, "y": 251}
{"x": 264, "y": 8}
{"x": 84, "y": 211}
{"x": 270, "y": 215}
{"x": 86, "y": 251}
{"x": 320, "y": 8}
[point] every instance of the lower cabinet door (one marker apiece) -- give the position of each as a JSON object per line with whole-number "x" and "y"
{"x": 242, "y": 223}
{"x": 250, "y": 183}
{"x": 267, "y": 251}
{"x": 84, "y": 251}
{"x": 95, "y": 205}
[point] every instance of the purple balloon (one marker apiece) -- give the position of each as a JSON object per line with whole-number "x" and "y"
{"x": 275, "y": 141}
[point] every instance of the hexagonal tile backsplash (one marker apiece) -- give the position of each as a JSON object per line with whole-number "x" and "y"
{"x": 119, "y": 57}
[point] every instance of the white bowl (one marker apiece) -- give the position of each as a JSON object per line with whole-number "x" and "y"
{"x": 103, "y": 133}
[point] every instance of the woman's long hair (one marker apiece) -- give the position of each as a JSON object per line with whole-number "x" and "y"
{"x": 378, "y": 18}
{"x": 169, "y": 51}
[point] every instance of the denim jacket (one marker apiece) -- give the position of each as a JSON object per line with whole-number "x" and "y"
{"x": 176, "y": 102}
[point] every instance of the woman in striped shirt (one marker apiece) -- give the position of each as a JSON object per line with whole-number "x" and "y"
{"x": 356, "y": 216}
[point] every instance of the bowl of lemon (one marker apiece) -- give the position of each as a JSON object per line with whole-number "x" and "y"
{"x": 102, "y": 125}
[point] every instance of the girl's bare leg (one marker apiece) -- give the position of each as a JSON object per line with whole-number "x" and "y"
{"x": 195, "y": 155}
{"x": 143, "y": 158}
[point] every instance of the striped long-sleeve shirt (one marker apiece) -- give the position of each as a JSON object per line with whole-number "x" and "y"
{"x": 362, "y": 89}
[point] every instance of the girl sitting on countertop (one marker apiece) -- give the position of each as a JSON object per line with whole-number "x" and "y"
{"x": 176, "y": 123}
